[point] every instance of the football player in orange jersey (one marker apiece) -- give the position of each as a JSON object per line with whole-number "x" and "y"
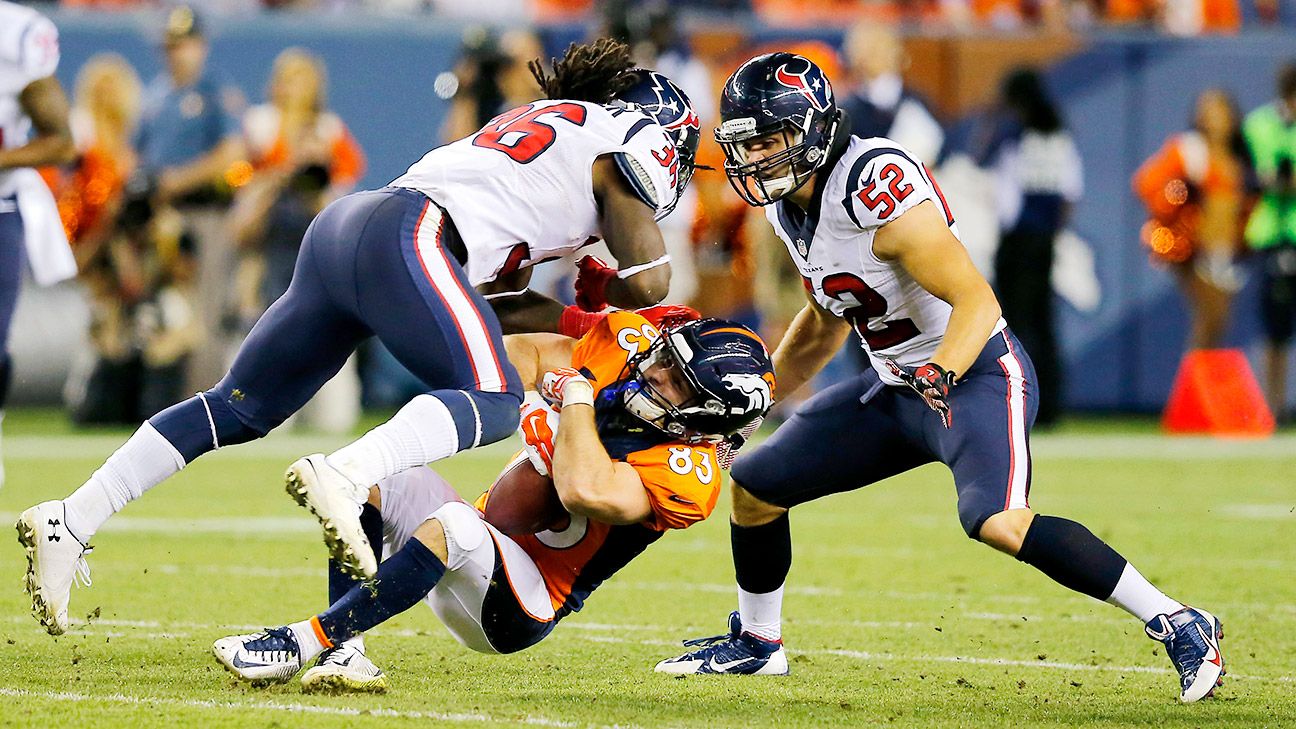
{"x": 626, "y": 423}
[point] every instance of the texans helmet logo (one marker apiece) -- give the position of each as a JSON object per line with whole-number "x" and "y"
{"x": 816, "y": 91}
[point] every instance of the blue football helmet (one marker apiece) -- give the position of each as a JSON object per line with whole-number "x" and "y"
{"x": 776, "y": 94}
{"x": 730, "y": 380}
{"x": 660, "y": 98}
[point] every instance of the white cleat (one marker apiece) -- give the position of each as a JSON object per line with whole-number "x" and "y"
{"x": 264, "y": 658}
{"x": 344, "y": 669}
{"x": 55, "y": 559}
{"x": 336, "y": 501}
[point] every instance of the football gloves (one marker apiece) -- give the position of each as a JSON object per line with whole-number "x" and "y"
{"x": 566, "y": 386}
{"x": 932, "y": 382}
{"x": 538, "y": 424}
{"x": 592, "y": 279}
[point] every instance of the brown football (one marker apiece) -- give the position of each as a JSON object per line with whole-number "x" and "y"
{"x": 524, "y": 502}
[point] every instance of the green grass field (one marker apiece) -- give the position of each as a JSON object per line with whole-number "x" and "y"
{"x": 893, "y": 617}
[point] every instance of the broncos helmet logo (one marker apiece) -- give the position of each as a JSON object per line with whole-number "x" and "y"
{"x": 755, "y": 387}
{"x": 816, "y": 91}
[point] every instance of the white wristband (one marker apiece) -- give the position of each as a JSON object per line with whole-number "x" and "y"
{"x": 631, "y": 271}
{"x": 578, "y": 392}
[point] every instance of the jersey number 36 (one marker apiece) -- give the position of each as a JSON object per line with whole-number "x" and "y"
{"x": 521, "y": 135}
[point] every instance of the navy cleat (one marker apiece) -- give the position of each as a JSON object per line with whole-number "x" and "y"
{"x": 1192, "y": 640}
{"x": 735, "y": 652}
{"x": 271, "y": 656}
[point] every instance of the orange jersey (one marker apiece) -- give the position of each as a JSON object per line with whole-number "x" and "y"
{"x": 682, "y": 481}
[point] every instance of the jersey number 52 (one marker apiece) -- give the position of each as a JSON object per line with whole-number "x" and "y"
{"x": 849, "y": 288}
{"x": 521, "y": 135}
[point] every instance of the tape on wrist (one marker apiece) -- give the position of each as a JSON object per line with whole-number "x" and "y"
{"x": 628, "y": 272}
{"x": 578, "y": 392}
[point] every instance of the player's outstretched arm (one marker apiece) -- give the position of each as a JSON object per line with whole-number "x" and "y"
{"x": 631, "y": 234}
{"x": 588, "y": 481}
{"x": 921, "y": 241}
{"x": 535, "y": 354}
{"x": 45, "y": 103}
{"x": 810, "y": 341}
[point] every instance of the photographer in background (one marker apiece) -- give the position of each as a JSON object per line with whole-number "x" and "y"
{"x": 491, "y": 77}
{"x": 303, "y": 157}
{"x": 1270, "y": 134}
{"x": 143, "y": 324}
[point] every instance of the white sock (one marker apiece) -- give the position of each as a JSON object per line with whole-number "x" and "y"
{"x": 144, "y": 461}
{"x": 307, "y": 641}
{"x": 421, "y": 432}
{"x": 762, "y": 614}
{"x": 1135, "y": 595}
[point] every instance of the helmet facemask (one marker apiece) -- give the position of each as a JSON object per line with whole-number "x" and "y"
{"x": 687, "y": 420}
{"x": 755, "y": 182}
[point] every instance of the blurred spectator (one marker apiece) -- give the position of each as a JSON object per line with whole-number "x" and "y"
{"x": 879, "y": 105}
{"x": 103, "y": 123}
{"x": 33, "y": 132}
{"x": 1270, "y": 133}
{"x": 1038, "y": 178}
{"x": 143, "y": 325}
{"x": 490, "y": 78}
{"x": 658, "y": 44}
{"x": 1194, "y": 188}
{"x": 188, "y": 141}
{"x": 1179, "y": 17}
{"x": 303, "y": 157}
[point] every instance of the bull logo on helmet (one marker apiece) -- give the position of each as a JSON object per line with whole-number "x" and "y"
{"x": 816, "y": 91}
{"x": 755, "y": 387}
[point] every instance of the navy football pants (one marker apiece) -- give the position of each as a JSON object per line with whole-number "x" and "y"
{"x": 371, "y": 264}
{"x": 862, "y": 431}
{"x": 11, "y": 265}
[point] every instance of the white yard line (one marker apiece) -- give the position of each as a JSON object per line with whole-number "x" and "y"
{"x": 597, "y": 633}
{"x": 276, "y": 706}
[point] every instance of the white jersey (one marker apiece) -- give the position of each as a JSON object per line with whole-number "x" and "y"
{"x": 28, "y": 51}
{"x": 521, "y": 190}
{"x": 874, "y": 182}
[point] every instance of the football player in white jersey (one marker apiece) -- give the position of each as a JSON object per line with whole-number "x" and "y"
{"x": 878, "y": 252}
{"x": 604, "y": 160}
{"x": 33, "y": 133}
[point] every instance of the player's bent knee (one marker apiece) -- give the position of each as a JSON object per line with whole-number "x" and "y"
{"x": 750, "y": 510}
{"x": 463, "y": 532}
{"x": 1006, "y": 530}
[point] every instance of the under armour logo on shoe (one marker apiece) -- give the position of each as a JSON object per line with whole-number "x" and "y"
{"x": 54, "y": 525}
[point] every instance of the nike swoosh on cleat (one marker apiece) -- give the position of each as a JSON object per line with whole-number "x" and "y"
{"x": 1212, "y": 655}
{"x": 680, "y": 500}
{"x": 724, "y": 667}
{"x": 240, "y": 663}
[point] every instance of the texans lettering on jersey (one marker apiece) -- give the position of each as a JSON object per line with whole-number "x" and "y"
{"x": 521, "y": 190}
{"x": 873, "y": 183}
{"x": 682, "y": 481}
{"x": 29, "y": 51}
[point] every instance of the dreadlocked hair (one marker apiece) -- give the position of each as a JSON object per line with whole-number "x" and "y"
{"x": 593, "y": 72}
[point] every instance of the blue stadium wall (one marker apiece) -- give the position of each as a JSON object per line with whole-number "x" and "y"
{"x": 1122, "y": 96}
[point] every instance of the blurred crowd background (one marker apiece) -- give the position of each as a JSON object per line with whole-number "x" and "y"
{"x": 1122, "y": 170}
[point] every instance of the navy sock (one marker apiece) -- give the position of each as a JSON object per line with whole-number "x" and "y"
{"x": 339, "y": 582}
{"x": 189, "y": 427}
{"x": 762, "y": 554}
{"x": 1072, "y": 556}
{"x": 481, "y": 418}
{"x": 400, "y": 584}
